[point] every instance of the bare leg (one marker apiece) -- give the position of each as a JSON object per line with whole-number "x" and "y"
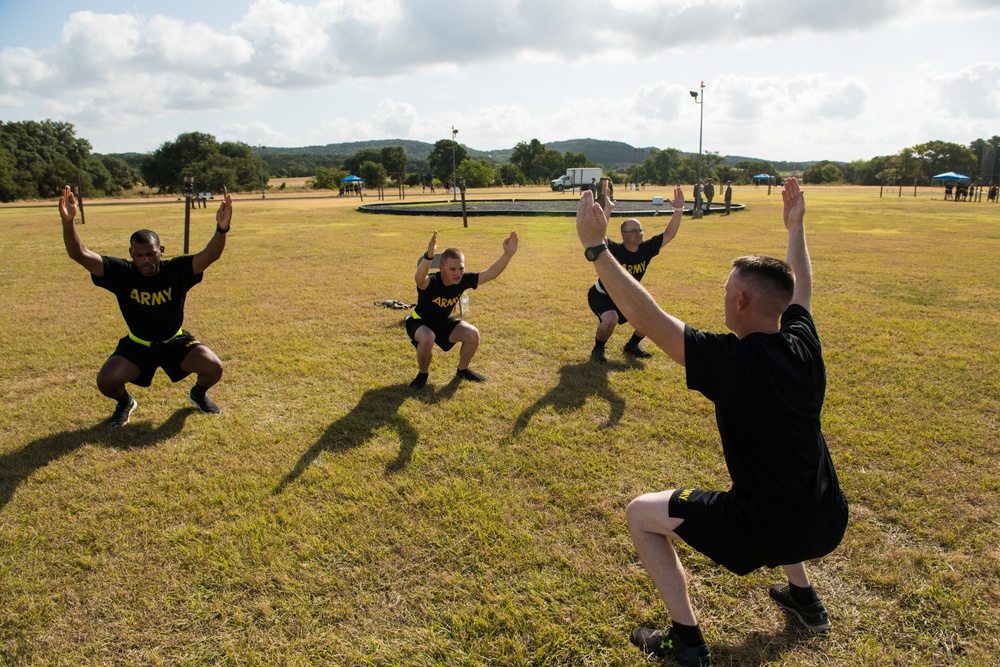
{"x": 113, "y": 375}
{"x": 203, "y": 362}
{"x": 425, "y": 348}
{"x": 609, "y": 320}
{"x": 797, "y": 575}
{"x": 652, "y": 528}
{"x": 468, "y": 336}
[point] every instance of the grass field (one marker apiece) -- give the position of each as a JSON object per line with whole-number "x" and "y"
{"x": 329, "y": 516}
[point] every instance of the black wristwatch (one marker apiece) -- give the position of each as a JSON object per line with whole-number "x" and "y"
{"x": 221, "y": 230}
{"x": 593, "y": 252}
{"x": 429, "y": 259}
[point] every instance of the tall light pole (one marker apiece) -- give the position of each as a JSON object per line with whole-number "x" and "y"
{"x": 701, "y": 124}
{"x": 260, "y": 156}
{"x": 454, "y": 172}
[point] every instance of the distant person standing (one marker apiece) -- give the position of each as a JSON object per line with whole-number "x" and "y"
{"x": 151, "y": 292}
{"x": 729, "y": 196}
{"x": 709, "y": 195}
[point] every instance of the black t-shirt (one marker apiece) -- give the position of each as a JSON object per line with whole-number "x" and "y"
{"x": 768, "y": 391}
{"x": 438, "y": 300}
{"x": 636, "y": 262}
{"x": 153, "y": 307}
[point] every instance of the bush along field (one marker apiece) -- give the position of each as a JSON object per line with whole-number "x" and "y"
{"x": 330, "y": 515}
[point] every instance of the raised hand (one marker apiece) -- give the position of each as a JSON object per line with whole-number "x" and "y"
{"x": 510, "y": 243}
{"x": 224, "y": 216}
{"x": 432, "y": 246}
{"x": 678, "y": 201}
{"x": 67, "y": 205}
{"x": 591, "y": 223}
{"x": 795, "y": 203}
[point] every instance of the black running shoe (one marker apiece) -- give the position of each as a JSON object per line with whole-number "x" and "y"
{"x": 122, "y": 414}
{"x": 419, "y": 381}
{"x": 597, "y": 354}
{"x": 205, "y": 404}
{"x": 666, "y": 644}
{"x": 471, "y": 375}
{"x": 813, "y": 616}
{"x": 637, "y": 352}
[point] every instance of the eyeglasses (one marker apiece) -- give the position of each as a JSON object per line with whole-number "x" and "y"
{"x": 633, "y": 231}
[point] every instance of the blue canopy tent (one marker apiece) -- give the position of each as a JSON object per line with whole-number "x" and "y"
{"x": 351, "y": 179}
{"x": 950, "y": 176}
{"x": 760, "y": 178}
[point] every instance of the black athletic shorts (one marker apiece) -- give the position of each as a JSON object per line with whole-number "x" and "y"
{"x": 743, "y": 537}
{"x": 167, "y": 356}
{"x": 442, "y": 330}
{"x": 602, "y": 303}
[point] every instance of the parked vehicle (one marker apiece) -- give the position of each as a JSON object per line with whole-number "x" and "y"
{"x": 577, "y": 177}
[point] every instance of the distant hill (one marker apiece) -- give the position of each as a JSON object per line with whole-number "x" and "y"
{"x": 616, "y": 155}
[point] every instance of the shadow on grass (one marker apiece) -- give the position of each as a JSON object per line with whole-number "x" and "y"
{"x": 17, "y": 466}
{"x": 759, "y": 648}
{"x": 377, "y": 408}
{"x": 577, "y": 383}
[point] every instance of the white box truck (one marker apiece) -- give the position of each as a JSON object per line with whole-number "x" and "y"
{"x": 577, "y": 177}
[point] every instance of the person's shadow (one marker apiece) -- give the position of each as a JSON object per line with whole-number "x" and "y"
{"x": 762, "y": 647}
{"x": 17, "y": 466}
{"x": 577, "y": 383}
{"x": 377, "y": 408}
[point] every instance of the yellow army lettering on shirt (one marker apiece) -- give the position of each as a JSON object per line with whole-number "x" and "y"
{"x": 635, "y": 269}
{"x": 445, "y": 303}
{"x": 151, "y": 298}
{"x": 685, "y": 494}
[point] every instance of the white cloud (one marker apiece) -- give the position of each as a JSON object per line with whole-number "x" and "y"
{"x": 195, "y": 48}
{"x": 973, "y": 92}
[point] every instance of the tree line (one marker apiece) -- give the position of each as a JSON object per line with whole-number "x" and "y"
{"x": 38, "y": 157}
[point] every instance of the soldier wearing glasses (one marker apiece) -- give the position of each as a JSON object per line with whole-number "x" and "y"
{"x": 634, "y": 254}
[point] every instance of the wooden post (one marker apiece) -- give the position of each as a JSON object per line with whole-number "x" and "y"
{"x": 465, "y": 217}
{"x": 79, "y": 196}
{"x": 187, "y": 221}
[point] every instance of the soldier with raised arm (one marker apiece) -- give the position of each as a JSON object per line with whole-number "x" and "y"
{"x": 151, "y": 292}
{"x": 767, "y": 381}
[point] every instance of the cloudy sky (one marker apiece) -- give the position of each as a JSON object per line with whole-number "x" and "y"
{"x": 807, "y": 80}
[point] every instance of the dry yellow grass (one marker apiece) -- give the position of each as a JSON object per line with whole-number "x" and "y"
{"x": 328, "y": 516}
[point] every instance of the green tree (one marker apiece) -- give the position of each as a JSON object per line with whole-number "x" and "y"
{"x": 45, "y": 155}
{"x": 124, "y": 175}
{"x": 477, "y": 174}
{"x": 523, "y": 157}
{"x": 440, "y": 159}
{"x": 327, "y": 178}
{"x": 232, "y": 165}
{"x": 353, "y": 162}
{"x": 511, "y": 174}
{"x": 546, "y": 166}
{"x": 823, "y": 171}
{"x": 8, "y": 186}
{"x": 393, "y": 158}
{"x": 987, "y": 154}
{"x": 373, "y": 174}
{"x": 578, "y": 160}
{"x": 663, "y": 167}
{"x": 936, "y": 157}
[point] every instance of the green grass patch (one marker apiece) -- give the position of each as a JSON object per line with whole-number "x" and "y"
{"x": 331, "y": 516}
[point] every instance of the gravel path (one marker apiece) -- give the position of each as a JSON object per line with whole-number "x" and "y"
{"x": 563, "y": 207}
